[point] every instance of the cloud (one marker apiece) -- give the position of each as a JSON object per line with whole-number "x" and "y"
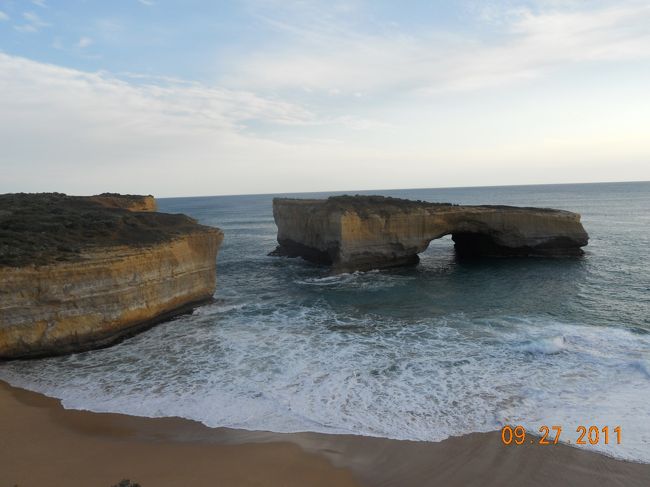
{"x": 148, "y": 3}
{"x": 325, "y": 50}
{"x": 161, "y": 101}
{"x": 34, "y": 23}
{"x": 3, "y": 16}
{"x": 84, "y": 42}
{"x": 40, "y": 3}
{"x": 81, "y": 132}
{"x": 327, "y": 102}
{"x": 26, "y": 28}
{"x": 34, "y": 19}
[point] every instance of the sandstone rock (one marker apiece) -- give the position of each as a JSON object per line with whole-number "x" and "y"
{"x": 77, "y": 275}
{"x": 365, "y": 232}
{"x": 127, "y": 201}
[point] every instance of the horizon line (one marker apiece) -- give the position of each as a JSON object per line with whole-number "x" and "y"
{"x": 399, "y": 189}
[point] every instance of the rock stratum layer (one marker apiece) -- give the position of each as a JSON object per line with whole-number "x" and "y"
{"x": 77, "y": 274}
{"x": 366, "y": 232}
{"x": 129, "y": 202}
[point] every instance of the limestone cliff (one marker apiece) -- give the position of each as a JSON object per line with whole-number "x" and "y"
{"x": 77, "y": 275}
{"x": 364, "y": 232}
{"x": 129, "y": 202}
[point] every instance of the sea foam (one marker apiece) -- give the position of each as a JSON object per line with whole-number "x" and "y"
{"x": 304, "y": 369}
{"x": 445, "y": 348}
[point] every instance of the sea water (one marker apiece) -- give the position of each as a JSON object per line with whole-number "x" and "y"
{"x": 444, "y": 348}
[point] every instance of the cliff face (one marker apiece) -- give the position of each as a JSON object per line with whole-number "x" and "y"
{"x": 365, "y": 232}
{"x": 109, "y": 288}
{"x": 126, "y": 201}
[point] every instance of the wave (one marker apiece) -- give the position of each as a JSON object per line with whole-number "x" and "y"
{"x": 215, "y": 308}
{"x": 289, "y": 368}
{"x": 344, "y": 277}
{"x": 548, "y": 346}
{"x": 642, "y": 366}
{"x": 358, "y": 280}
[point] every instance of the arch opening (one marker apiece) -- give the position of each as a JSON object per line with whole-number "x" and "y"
{"x": 473, "y": 245}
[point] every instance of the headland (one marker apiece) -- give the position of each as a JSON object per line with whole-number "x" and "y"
{"x": 85, "y": 272}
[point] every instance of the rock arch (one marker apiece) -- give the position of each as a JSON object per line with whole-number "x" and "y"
{"x": 366, "y": 232}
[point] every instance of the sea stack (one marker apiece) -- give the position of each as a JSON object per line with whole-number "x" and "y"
{"x": 84, "y": 272}
{"x": 369, "y": 232}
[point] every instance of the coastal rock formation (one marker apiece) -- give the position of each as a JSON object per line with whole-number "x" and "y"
{"x": 365, "y": 232}
{"x": 129, "y": 202}
{"x": 78, "y": 275}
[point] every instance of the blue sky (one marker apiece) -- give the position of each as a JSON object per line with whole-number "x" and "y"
{"x": 192, "y": 98}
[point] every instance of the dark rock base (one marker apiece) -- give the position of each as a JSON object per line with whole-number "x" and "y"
{"x": 476, "y": 245}
{"x": 289, "y": 248}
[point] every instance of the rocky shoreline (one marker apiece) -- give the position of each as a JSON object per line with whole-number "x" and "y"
{"x": 85, "y": 272}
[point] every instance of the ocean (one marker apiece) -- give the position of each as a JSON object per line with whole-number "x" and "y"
{"x": 441, "y": 349}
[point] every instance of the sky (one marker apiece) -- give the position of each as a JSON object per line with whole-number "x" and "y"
{"x": 188, "y": 98}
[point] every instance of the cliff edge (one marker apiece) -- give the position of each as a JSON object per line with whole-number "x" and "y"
{"x": 131, "y": 202}
{"x": 79, "y": 274}
{"x": 366, "y": 232}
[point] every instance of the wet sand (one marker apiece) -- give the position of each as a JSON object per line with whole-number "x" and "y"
{"x": 42, "y": 444}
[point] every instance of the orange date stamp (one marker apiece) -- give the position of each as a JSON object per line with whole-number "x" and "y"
{"x": 586, "y": 435}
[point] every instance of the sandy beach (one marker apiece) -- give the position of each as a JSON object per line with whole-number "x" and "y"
{"x": 44, "y": 444}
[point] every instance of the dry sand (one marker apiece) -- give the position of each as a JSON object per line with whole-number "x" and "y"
{"x": 42, "y": 444}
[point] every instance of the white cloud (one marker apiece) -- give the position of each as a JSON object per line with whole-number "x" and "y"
{"x": 40, "y": 3}
{"x": 81, "y": 132}
{"x": 330, "y": 106}
{"x": 162, "y": 100}
{"x": 34, "y": 19}
{"x": 26, "y": 28}
{"x": 148, "y": 3}
{"x": 3, "y": 16}
{"x": 84, "y": 42}
{"x": 34, "y": 23}
{"x": 324, "y": 53}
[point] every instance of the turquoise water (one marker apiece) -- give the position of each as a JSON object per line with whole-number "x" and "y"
{"x": 445, "y": 348}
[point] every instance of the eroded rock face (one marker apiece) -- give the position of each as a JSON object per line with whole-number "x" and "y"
{"x": 126, "y": 273}
{"x": 129, "y": 202}
{"x": 365, "y": 232}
